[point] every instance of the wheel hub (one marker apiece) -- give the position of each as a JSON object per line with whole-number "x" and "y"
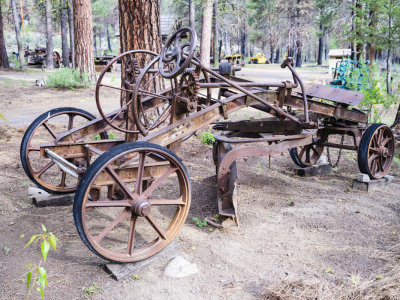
{"x": 384, "y": 152}
{"x": 141, "y": 208}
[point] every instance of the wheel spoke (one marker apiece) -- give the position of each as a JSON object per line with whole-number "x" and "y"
{"x": 308, "y": 154}
{"x": 49, "y": 129}
{"x": 140, "y": 171}
{"x": 71, "y": 121}
{"x": 154, "y": 94}
{"x": 120, "y": 182}
{"x": 63, "y": 176}
{"x": 157, "y": 182}
{"x": 157, "y": 228}
{"x": 301, "y": 154}
{"x": 44, "y": 169}
{"x": 131, "y": 238}
{"x": 380, "y": 165}
{"x": 116, "y": 88}
{"x": 108, "y": 203}
{"x": 386, "y": 140}
{"x": 159, "y": 117}
{"x": 373, "y": 166}
{"x": 166, "y": 202}
{"x": 122, "y": 216}
{"x": 372, "y": 157}
{"x": 380, "y": 136}
{"x": 33, "y": 149}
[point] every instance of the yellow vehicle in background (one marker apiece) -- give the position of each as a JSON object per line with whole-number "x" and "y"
{"x": 259, "y": 59}
{"x": 235, "y": 59}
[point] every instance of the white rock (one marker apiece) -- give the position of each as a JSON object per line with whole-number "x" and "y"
{"x": 361, "y": 177}
{"x": 322, "y": 160}
{"x": 180, "y": 267}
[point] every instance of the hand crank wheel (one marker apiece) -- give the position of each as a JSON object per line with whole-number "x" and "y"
{"x": 132, "y": 201}
{"x": 376, "y": 151}
{"x": 152, "y": 98}
{"x": 43, "y": 171}
{"x": 115, "y": 94}
{"x": 176, "y": 54}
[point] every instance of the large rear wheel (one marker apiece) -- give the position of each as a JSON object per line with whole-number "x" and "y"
{"x": 132, "y": 201}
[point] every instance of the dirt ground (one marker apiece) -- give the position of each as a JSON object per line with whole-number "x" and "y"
{"x": 299, "y": 238}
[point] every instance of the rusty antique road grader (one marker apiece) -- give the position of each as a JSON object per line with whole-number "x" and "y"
{"x": 132, "y": 192}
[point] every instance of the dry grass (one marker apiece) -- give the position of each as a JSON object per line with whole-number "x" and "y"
{"x": 385, "y": 287}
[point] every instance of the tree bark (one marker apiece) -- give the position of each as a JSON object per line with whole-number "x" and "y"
{"x": 17, "y": 32}
{"x": 299, "y": 61}
{"x": 3, "y": 50}
{"x": 64, "y": 34}
{"x": 320, "y": 45}
{"x": 71, "y": 32}
{"x": 191, "y": 13}
{"x": 215, "y": 33}
{"x": 205, "y": 44}
{"x": 278, "y": 56}
{"x": 49, "y": 37}
{"x": 108, "y": 38}
{"x": 83, "y": 34}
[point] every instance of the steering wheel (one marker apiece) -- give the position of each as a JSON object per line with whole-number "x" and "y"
{"x": 174, "y": 55}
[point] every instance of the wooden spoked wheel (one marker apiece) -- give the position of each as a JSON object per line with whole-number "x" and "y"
{"x": 152, "y": 98}
{"x": 376, "y": 151}
{"x": 114, "y": 91}
{"x": 132, "y": 201}
{"x": 45, "y": 129}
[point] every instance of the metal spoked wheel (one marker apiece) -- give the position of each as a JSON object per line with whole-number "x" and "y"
{"x": 132, "y": 201}
{"x": 115, "y": 93}
{"x": 306, "y": 156}
{"x": 152, "y": 98}
{"x": 376, "y": 151}
{"x": 45, "y": 129}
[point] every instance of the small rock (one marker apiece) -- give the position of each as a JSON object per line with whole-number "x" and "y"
{"x": 180, "y": 267}
{"x": 361, "y": 177}
{"x": 322, "y": 160}
{"x": 286, "y": 273}
{"x": 11, "y": 224}
{"x": 389, "y": 178}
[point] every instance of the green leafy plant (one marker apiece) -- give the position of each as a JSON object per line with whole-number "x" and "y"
{"x": 49, "y": 240}
{"x": 367, "y": 80}
{"x": 200, "y": 223}
{"x": 16, "y": 64}
{"x": 207, "y": 138}
{"x": 91, "y": 289}
{"x": 68, "y": 78}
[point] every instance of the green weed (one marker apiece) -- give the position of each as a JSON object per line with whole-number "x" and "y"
{"x": 68, "y": 78}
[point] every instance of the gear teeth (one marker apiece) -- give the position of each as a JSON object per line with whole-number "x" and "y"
{"x": 192, "y": 77}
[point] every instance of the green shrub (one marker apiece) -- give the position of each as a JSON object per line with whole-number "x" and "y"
{"x": 207, "y": 138}
{"x": 68, "y": 78}
{"x": 369, "y": 81}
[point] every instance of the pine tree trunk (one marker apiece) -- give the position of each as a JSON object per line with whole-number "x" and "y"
{"x": 71, "y": 32}
{"x": 205, "y": 44}
{"x": 64, "y": 35}
{"x": 278, "y": 56}
{"x": 108, "y": 38}
{"x": 140, "y": 25}
{"x": 49, "y": 37}
{"x": 17, "y": 32}
{"x": 191, "y": 13}
{"x": 299, "y": 61}
{"x": 215, "y": 33}
{"x": 320, "y": 46}
{"x": 3, "y": 50}
{"x": 83, "y": 34}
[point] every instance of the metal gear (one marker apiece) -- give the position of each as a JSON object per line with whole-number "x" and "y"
{"x": 189, "y": 87}
{"x": 132, "y": 71}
